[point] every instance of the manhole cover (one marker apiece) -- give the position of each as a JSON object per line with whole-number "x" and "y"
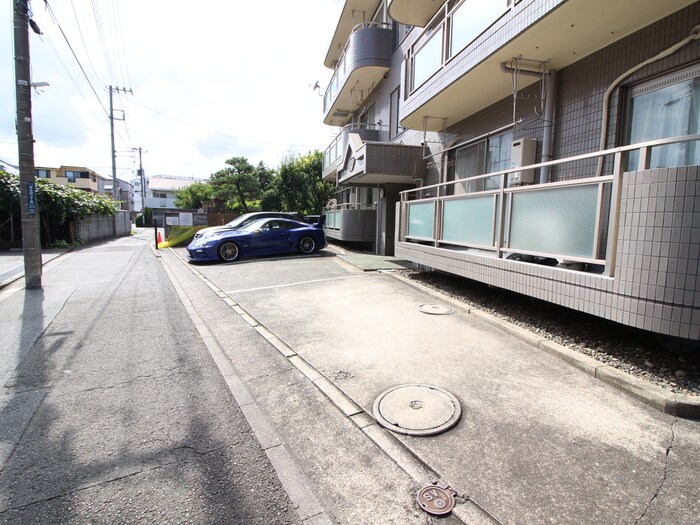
{"x": 417, "y": 410}
{"x": 435, "y": 499}
{"x": 435, "y": 309}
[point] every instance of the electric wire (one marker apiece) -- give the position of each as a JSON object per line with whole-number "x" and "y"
{"x": 82, "y": 39}
{"x": 101, "y": 34}
{"x": 53, "y": 16}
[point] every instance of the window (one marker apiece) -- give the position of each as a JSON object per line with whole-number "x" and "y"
{"x": 72, "y": 175}
{"x": 42, "y": 174}
{"x": 400, "y": 31}
{"x": 367, "y": 119}
{"x": 394, "y": 126}
{"x": 667, "y": 107}
{"x": 486, "y": 156}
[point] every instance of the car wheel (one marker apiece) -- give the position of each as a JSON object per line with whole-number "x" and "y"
{"x": 307, "y": 245}
{"x": 228, "y": 251}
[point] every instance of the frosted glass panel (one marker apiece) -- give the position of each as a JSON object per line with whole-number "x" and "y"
{"x": 469, "y": 221}
{"x": 471, "y": 19}
{"x": 428, "y": 59}
{"x": 556, "y": 221}
{"x": 420, "y": 220}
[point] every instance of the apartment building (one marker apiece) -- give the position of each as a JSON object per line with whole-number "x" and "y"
{"x": 548, "y": 147}
{"x": 85, "y": 179}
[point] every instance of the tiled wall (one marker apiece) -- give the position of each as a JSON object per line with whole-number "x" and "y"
{"x": 583, "y": 85}
{"x": 655, "y": 285}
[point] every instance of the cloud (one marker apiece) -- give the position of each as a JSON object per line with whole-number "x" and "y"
{"x": 210, "y": 81}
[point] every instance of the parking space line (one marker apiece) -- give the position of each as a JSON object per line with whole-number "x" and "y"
{"x": 272, "y": 287}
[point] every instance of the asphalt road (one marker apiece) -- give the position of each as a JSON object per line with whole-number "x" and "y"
{"x": 116, "y": 412}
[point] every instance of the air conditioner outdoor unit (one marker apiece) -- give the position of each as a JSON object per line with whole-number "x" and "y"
{"x": 522, "y": 154}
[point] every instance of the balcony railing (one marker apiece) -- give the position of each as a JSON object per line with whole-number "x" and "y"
{"x": 334, "y": 214}
{"x": 336, "y": 148}
{"x": 157, "y": 202}
{"x": 575, "y": 220}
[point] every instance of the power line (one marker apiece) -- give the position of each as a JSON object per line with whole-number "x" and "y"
{"x": 76, "y": 58}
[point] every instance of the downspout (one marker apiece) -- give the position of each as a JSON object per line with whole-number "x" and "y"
{"x": 548, "y": 131}
{"x": 694, "y": 35}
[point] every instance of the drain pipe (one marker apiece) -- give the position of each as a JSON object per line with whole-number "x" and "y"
{"x": 548, "y": 131}
{"x": 694, "y": 35}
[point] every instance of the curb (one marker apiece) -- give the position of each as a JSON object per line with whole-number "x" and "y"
{"x": 679, "y": 405}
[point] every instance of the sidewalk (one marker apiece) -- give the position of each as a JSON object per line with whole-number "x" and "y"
{"x": 12, "y": 264}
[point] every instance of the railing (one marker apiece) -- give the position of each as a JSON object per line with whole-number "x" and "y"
{"x": 335, "y": 84}
{"x": 464, "y": 23}
{"x": 158, "y": 202}
{"x": 336, "y": 148}
{"x": 334, "y": 216}
{"x": 575, "y": 220}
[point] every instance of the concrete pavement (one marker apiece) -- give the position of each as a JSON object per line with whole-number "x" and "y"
{"x": 539, "y": 442}
{"x": 297, "y": 349}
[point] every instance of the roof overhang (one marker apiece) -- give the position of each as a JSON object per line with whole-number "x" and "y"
{"x": 572, "y": 31}
{"x": 414, "y": 12}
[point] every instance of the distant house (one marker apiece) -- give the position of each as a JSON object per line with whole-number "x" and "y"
{"x": 83, "y": 178}
{"x": 160, "y": 194}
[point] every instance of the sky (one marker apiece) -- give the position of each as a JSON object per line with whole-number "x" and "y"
{"x": 208, "y": 80}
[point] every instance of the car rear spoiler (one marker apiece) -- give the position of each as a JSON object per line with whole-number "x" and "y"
{"x": 321, "y": 222}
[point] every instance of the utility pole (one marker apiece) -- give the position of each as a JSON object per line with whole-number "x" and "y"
{"x": 115, "y": 187}
{"x": 142, "y": 178}
{"x": 31, "y": 238}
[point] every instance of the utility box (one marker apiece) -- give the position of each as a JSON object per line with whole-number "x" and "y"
{"x": 523, "y": 153}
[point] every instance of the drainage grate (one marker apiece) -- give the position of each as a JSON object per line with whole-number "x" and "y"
{"x": 417, "y": 410}
{"x": 435, "y": 309}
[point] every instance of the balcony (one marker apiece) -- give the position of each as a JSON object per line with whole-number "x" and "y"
{"x": 412, "y": 13}
{"x": 351, "y": 222}
{"x": 157, "y": 202}
{"x": 454, "y": 67}
{"x": 619, "y": 246}
{"x": 335, "y": 153}
{"x": 361, "y": 66}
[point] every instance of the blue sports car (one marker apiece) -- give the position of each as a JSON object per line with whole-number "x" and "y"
{"x": 260, "y": 237}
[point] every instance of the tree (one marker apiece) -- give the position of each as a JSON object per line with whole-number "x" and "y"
{"x": 57, "y": 204}
{"x": 237, "y": 185}
{"x": 300, "y": 186}
{"x": 192, "y": 196}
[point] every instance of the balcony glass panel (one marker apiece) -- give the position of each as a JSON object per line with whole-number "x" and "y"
{"x": 471, "y": 19}
{"x": 421, "y": 217}
{"x": 469, "y": 221}
{"x": 557, "y": 221}
{"x": 428, "y": 59}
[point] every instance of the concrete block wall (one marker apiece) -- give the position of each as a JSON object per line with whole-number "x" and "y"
{"x": 95, "y": 227}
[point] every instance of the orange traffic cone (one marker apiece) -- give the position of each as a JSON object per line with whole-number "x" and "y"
{"x": 159, "y": 238}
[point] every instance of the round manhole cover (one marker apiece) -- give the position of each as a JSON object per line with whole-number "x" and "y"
{"x": 435, "y": 309}
{"x": 417, "y": 410}
{"x": 436, "y": 500}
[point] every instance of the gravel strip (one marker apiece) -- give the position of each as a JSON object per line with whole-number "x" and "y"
{"x": 669, "y": 362}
